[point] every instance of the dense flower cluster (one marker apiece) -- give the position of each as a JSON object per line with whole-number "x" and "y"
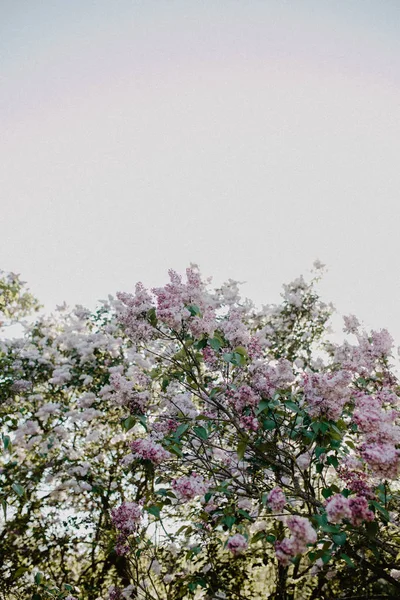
{"x": 381, "y": 434}
{"x": 188, "y": 488}
{"x": 354, "y": 509}
{"x": 237, "y": 544}
{"x": 327, "y": 394}
{"x": 276, "y": 499}
{"x": 147, "y": 449}
{"x": 303, "y": 534}
{"x": 126, "y": 518}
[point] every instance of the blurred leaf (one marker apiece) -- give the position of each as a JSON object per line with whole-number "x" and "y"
{"x": 18, "y": 489}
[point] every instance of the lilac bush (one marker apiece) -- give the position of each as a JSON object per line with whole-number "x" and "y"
{"x": 180, "y": 443}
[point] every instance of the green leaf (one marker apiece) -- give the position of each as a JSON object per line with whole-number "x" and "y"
{"x": 264, "y": 404}
{"x": 181, "y": 430}
{"x": 240, "y": 350}
{"x": 326, "y": 556}
{"x": 201, "y": 344}
{"x": 348, "y": 560}
{"x": 6, "y": 441}
{"x": 260, "y": 535}
{"x": 372, "y": 528}
{"x": 227, "y": 356}
{"x": 154, "y": 510}
{"x": 201, "y": 432}
{"x": 269, "y": 424}
{"x": 174, "y": 448}
{"x": 194, "y": 310}
{"x": 381, "y": 509}
{"x": 332, "y": 460}
{"x": 18, "y": 489}
{"x": 152, "y": 316}
{"x": 216, "y": 343}
{"x": 229, "y": 521}
{"x": 330, "y": 529}
{"x": 320, "y": 450}
{"x": 340, "y": 538}
{"x": 241, "y": 449}
{"x": 245, "y": 514}
{"x": 129, "y": 422}
{"x": 292, "y": 406}
{"x": 38, "y": 577}
{"x": 238, "y": 359}
{"x": 143, "y": 421}
{"x": 19, "y": 572}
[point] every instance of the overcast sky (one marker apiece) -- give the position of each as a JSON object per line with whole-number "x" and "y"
{"x": 249, "y": 136}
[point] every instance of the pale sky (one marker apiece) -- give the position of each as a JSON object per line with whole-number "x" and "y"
{"x": 250, "y": 137}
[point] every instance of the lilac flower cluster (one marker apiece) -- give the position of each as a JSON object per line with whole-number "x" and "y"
{"x": 147, "y": 449}
{"x": 303, "y": 534}
{"x": 276, "y": 499}
{"x": 126, "y": 517}
{"x": 189, "y": 487}
{"x": 381, "y": 434}
{"x": 237, "y": 544}
{"x": 326, "y": 393}
{"x": 354, "y": 509}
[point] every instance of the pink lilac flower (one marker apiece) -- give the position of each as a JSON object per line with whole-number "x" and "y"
{"x": 122, "y": 547}
{"x": 146, "y": 449}
{"x": 126, "y": 517}
{"x": 360, "y": 511}
{"x": 115, "y": 593}
{"x": 206, "y": 324}
{"x": 188, "y": 488}
{"x": 303, "y": 534}
{"x": 302, "y": 530}
{"x": 237, "y": 544}
{"x": 354, "y": 509}
{"x": 244, "y": 397}
{"x": 351, "y": 324}
{"x": 267, "y": 378}
{"x": 234, "y": 329}
{"x": 245, "y": 504}
{"x": 127, "y": 395}
{"x": 276, "y": 499}
{"x": 210, "y": 358}
{"x": 175, "y": 297}
{"x": 249, "y": 423}
{"x": 303, "y": 460}
{"x": 370, "y": 349}
{"x": 356, "y": 480}
{"x": 381, "y": 434}
{"x": 337, "y": 508}
{"x": 285, "y": 550}
{"x": 383, "y": 459}
{"x": 326, "y": 394}
{"x": 133, "y": 313}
